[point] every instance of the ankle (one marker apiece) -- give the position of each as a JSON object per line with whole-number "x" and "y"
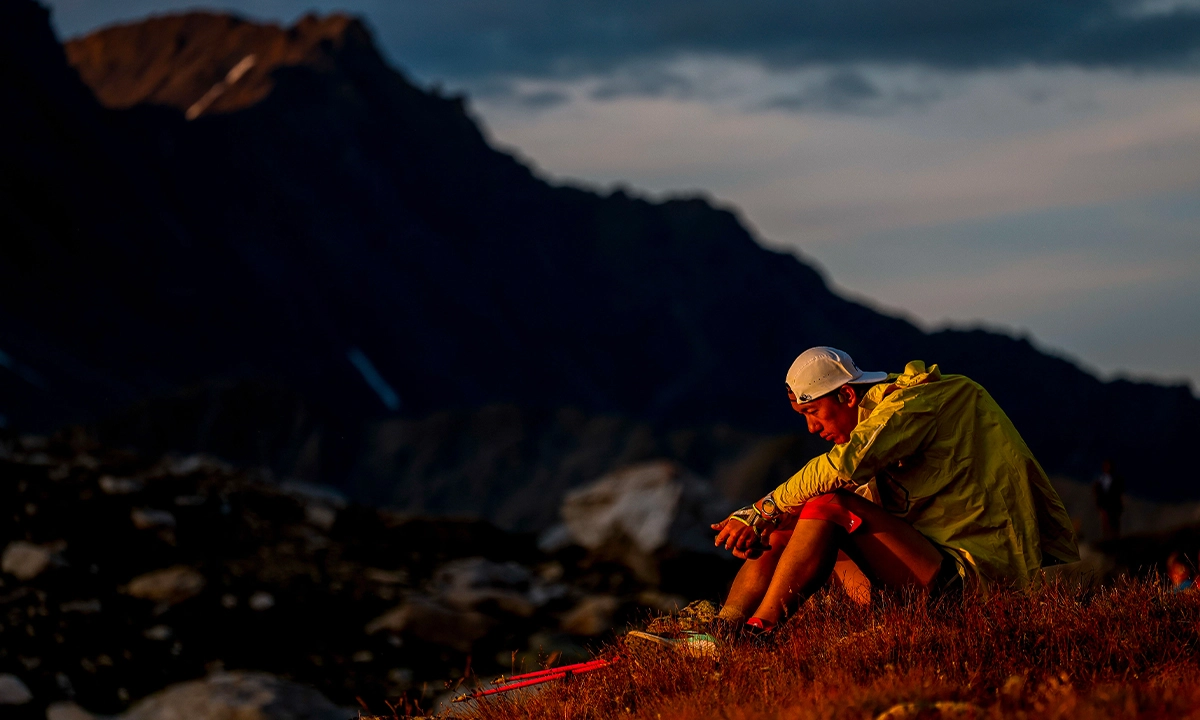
{"x": 732, "y": 615}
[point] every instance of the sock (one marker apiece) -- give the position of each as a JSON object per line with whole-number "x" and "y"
{"x": 759, "y": 626}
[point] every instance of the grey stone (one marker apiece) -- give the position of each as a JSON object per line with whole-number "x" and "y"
{"x": 310, "y": 492}
{"x": 24, "y": 560}
{"x": 592, "y": 616}
{"x": 193, "y": 463}
{"x": 433, "y": 622}
{"x": 68, "y": 711}
{"x": 13, "y": 691}
{"x": 149, "y": 518}
{"x": 261, "y": 600}
{"x": 633, "y": 514}
{"x": 237, "y": 696}
{"x": 320, "y": 515}
{"x": 480, "y": 584}
{"x": 170, "y": 585}
{"x": 120, "y": 486}
{"x": 85, "y": 607}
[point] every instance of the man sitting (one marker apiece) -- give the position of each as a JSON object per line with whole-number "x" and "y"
{"x": 929, "y": 487}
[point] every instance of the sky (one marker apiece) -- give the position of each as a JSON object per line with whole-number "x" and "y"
{"x": 1026, "y": 166}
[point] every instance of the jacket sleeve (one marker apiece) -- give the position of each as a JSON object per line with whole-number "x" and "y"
{"x": 895, "y": 431}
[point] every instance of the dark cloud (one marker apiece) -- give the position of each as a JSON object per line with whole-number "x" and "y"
{"x": 848, "y": 90}
{"x": 542, "y": 99}
{"x": 643, "y": 80}
{"x": 565, "y": 38}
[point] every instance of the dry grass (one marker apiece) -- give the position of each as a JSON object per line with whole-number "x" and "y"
{"x": 1127, "y": 651}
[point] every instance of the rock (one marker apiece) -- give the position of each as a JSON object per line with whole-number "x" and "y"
{"x": 261, "y": 600}
{"x": 13, "y": 691}
{"x": 170, "y": 585}
{"x": 322, "y": 516}
{"x": 86, "y": 607}
{"x": 159, "y": 633}
{"x": 194, "y": 463}
{"x": 426, "y": 619}
{"x": 386, "y": 577}
{"x": 471, "y": 583}
{"x": 321, "y": 502}
{"x": 652, "y": 504}
{"x": 149, "y": 518}
{"x": 67, "y": 711}
{"x": 633, "y": 515}
{"x": 592, "y": 616}
{"x": 120, "y": 486}
{"x": 309, "y": 492}
{"x": 237, "y": 696}
{"x": 24, "y": 560}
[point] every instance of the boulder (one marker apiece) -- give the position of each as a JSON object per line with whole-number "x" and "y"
{"x": 65, "y": 710}
{"x": 474, "y": 583}
{"x": 170, "y": 585}
{"x": 237, "y": 696}
{"x": 182, "y": 467}
{"x": 426, "y": 619}
{"x": 321, "y": 502}
{"x": 120, "y": 485}
{"x": 149, "y": 518}
{"x": 261, "y": 600}
{"x": 638, "y": 512}
{"x": 24, "y": 560}
{"x": 13, "y": 691}
{"x": 592, "y": 616}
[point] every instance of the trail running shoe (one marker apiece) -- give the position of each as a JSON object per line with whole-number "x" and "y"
{"x": 692, "y": 644}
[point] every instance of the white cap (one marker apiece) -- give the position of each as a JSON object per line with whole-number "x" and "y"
{"x": 821, "y": 370}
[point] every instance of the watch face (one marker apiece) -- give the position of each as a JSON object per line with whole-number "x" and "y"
{"x": 768, "y": 505}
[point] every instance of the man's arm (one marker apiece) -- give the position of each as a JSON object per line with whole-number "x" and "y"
{"x": 895, "y": 431}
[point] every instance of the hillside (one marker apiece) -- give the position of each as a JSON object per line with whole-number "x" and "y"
{"x": 1121, "y": 652}
{"x": 326, "y": 246}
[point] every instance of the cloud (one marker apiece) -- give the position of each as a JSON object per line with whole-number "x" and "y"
{"x": 542, "y": 99}
{"x": 653, "y": 80}
{"x": 849, "y": 90}
{"x": 466, "y": 39}
{"x": 550, "y": 38}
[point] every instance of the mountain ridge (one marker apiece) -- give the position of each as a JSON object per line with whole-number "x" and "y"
{"x": 345, "y": 209}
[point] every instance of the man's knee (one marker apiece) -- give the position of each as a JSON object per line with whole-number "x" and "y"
{"x": 843, "y": 509}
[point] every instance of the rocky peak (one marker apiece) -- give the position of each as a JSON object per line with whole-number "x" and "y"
{"x": 203, "y": 63}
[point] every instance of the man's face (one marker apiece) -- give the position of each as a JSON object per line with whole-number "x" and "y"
{"x": 832, "y": 420}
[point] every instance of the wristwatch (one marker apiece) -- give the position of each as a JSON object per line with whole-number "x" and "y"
{"x": 761, "y": 517}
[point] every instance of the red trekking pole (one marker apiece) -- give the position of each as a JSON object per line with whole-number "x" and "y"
{"x": 535, "y": 678}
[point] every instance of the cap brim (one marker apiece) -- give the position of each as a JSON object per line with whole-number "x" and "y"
{"x": 870, "y": 378}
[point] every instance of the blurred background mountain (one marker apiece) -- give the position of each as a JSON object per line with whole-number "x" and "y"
{"x": 266, "y": 244}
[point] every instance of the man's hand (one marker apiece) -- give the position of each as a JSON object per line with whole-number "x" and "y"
{"x": 740, "y": 539}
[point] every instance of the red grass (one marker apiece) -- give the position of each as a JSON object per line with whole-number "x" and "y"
{"x": 1128, "y": 651}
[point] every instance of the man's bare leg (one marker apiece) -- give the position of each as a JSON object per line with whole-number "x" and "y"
{"x": 753, "y": 579}
{"x": 885, "y": 549}
{"x": 803, "y": 567}
{"x": 851, "y": 578}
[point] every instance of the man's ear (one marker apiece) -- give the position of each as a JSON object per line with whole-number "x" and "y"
{"x": 851, "y": 395}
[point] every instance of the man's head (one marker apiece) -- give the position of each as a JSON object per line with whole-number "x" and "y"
{"x": 826, "y": 387}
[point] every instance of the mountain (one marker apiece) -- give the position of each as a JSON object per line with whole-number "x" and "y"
{"x": 324, "y": 247}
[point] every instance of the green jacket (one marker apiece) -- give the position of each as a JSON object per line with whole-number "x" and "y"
{"x": 937, "y": 451}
